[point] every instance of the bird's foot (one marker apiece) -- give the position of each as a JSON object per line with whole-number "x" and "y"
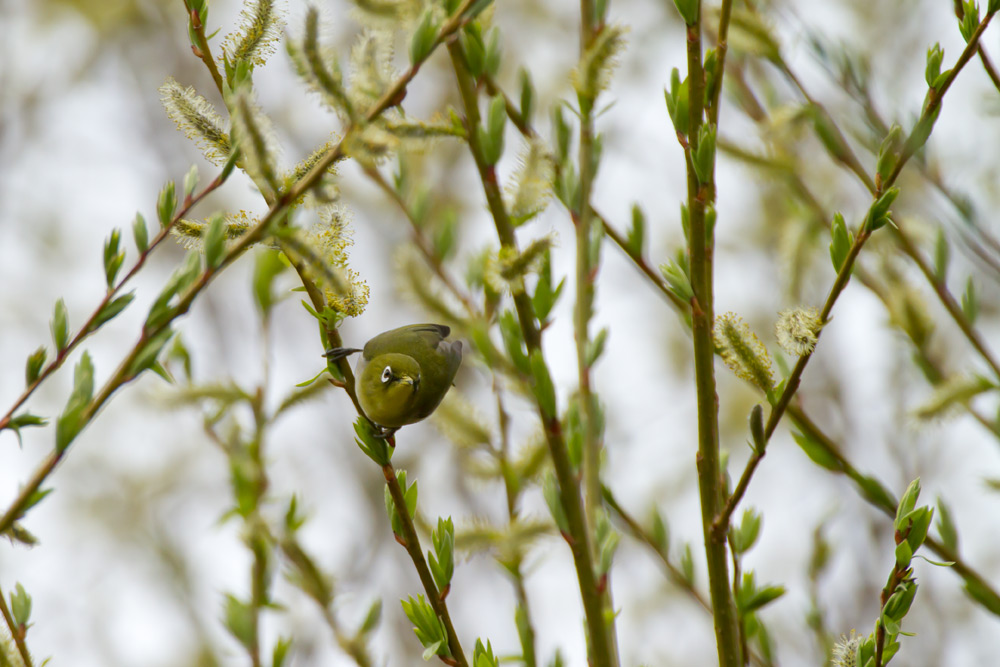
{"x": 387, "y": 434}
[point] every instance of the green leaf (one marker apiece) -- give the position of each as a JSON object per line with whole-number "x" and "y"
{"x": 595, "y": 348}
{"x": 746, "y": 535}
{"x": 899, "y": 603}
{"x": 374, "y": 447}
{"x": 442, "y": 559}
{"x": 432, "y": 649}
{"x": 606, "y": 540}
{"x": 875, "y": 492}
{"x": 71, "y": 421}
{"x": 493, "y": 53}
{"x": 841, "y": 241}
{"x": 149, "y": 352}
{"x": 942, "y": 256}
{"x": 25, "y": 419}
{"x": 238, "y": 619}
{"x": 550, "y": 490}
{"x": 427, "y": 626}
{"x": 268, "y": 265}
{"x": 878, "y": 214}
{"x": 542, "y": 387}
{"x": 970, "y": 20}
{"x": 757, "y": 432}
{"x": 20, "y": 605}
{"x": 659, "y": 533}
{"x": 190, "y": 181}
{"x": 636, "y": 237}
{"x": 982, "y": 594}
{"x": 919, "y": 521}
{"x": 215, "y": 241}
{"x": 545, "y": 298}
{"x": 33, "y": 367}
{"x": 60, "y": 326}
{"x": 946, "y": 526}
{"x": 888, "y": 152}
{"x": 474, "y": 49}
{"x": 935, "y": 55}
{"x": 676, "y": 274}
{"x": 181, "y": 279}
{"x": 111, "y": 310}
{"x": 482, "y": 656}
{"x": 513, "y": 341}
{"x": 970, "y": 302}
{"x": 907, "y": 502}
{"x": 704, "y": 156}
{"x": 689, "y": 10}
{"x": 819, "y": 454}
{"x": 492, "y": 137}
{"x": 372, "y": 618}
{"x": 113, "y": 258}
{"x": 424, "y": 37}
{"x": 140, "y": 233}
{"x": 166, "y": 204}
{"x": 280, "y": 652}
{"x": 687, "y": 565}
{"x": 677, "y": 102}
{"x": 904, "y": 554}
{"x": 527, "y": 98}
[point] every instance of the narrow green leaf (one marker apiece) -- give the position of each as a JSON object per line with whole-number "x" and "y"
{"x": 215, "y": 241}
{"x": 33, "y": 367}
{"x": 819, "y": 454}
{"x": 149, "y": 352}
{"x": 946, "y": 526}
{"x": 71, "y": 421}
{"x": 60, "y": 326}
{"x": 970, "y": 301}
{"x": 424, "y": 37}
{"x": 527, "y": 95}
{"x": 907, "y": 503}
{"x": 372, "y": 618}
{"x": 140, "y": 233}
{"x": 542, "y": 386}
{"x": 238, "y": 619}
{"x": 280, "y": 652}
{"x": 166, "y": 204}
{"x": 20, "y": 605}
{"x": 636, "y": 238}
{"x": 112, "y": 309}
{"x": 190, "y": 181}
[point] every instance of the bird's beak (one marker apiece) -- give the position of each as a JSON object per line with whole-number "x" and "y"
{"x": 413, "y": 382}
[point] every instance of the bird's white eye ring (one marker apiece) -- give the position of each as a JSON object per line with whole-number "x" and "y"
{"x": 386, "y": 374}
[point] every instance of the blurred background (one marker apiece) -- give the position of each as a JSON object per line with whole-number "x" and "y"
{"x": 134, "y": 560}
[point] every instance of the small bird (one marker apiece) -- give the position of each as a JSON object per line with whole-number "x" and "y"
{"x": 403, "y": 374}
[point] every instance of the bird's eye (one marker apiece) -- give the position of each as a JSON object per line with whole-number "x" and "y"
{"x": 386, "y": 374}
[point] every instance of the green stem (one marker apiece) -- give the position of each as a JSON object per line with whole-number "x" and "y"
{"x": 601, "y": 642}
{"x": 700, "y": 251}
{"x": 411, "y": 542}
{"x": 585, "y": 274}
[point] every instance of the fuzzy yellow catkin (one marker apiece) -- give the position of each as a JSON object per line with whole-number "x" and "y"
{"x": 742, "y": 351}
{"x": 845, "y": 652}
{"x": 797, "y": 330}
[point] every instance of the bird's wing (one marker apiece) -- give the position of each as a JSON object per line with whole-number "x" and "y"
{"x": 429, "y": 335}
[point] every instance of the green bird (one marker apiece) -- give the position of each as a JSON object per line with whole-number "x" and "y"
{"x": 403, "y": 374}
